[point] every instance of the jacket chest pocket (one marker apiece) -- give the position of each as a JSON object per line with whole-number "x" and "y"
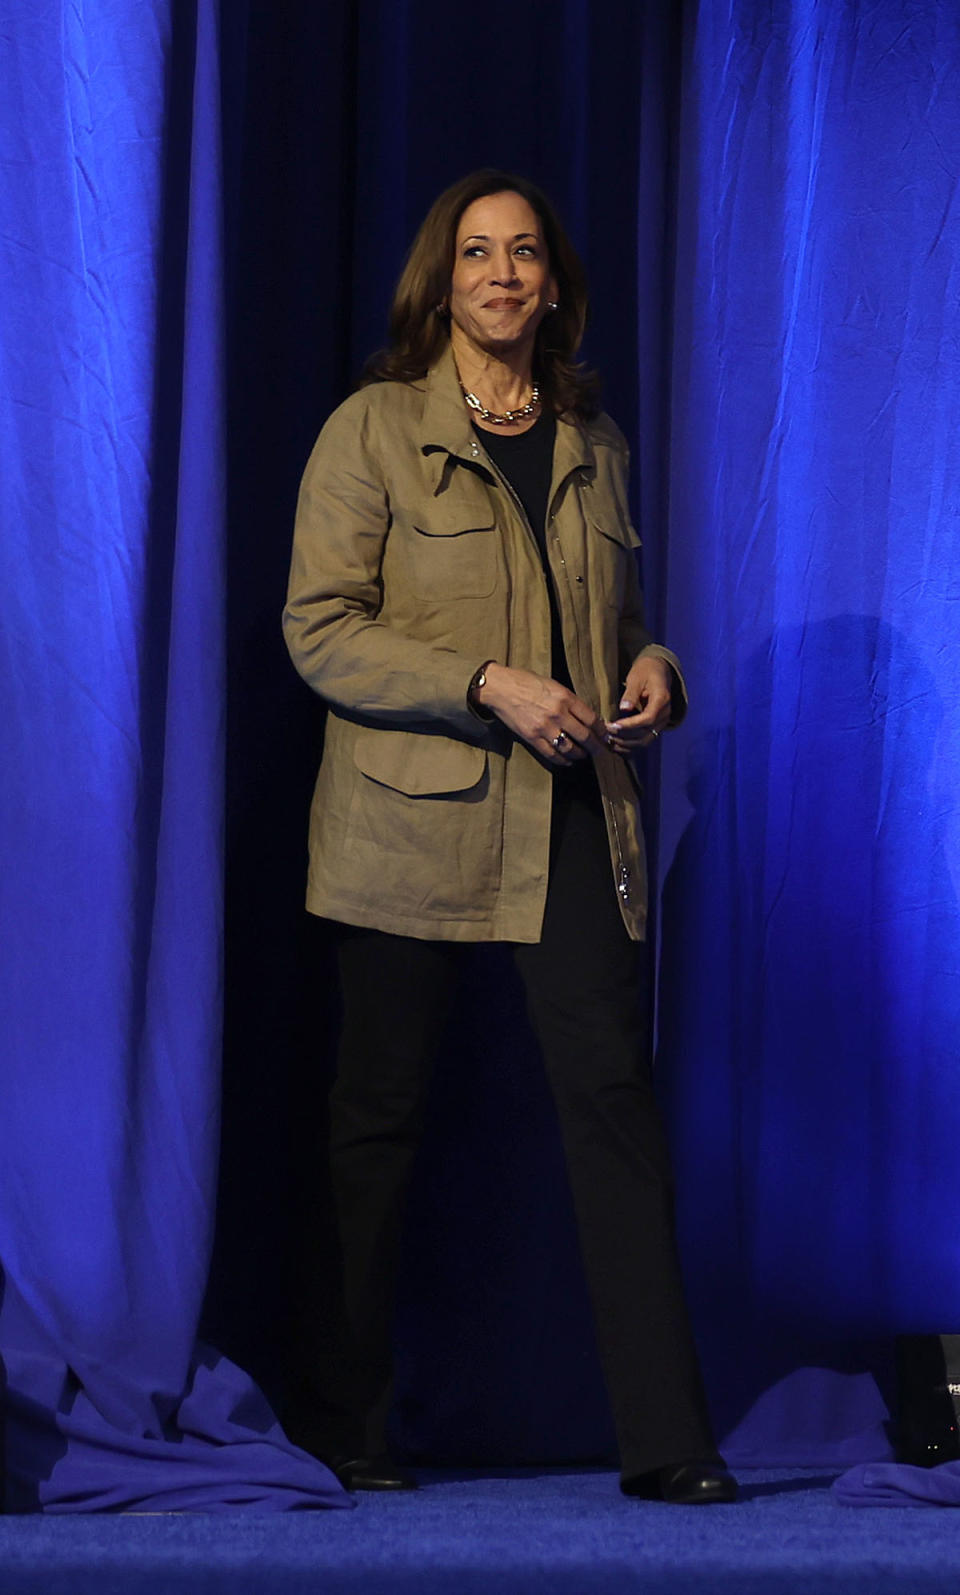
{"x": 614, "y": 545}
{"x": 453, "y": 550}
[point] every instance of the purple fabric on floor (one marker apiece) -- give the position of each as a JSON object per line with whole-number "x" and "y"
{"x": 216, "y": 1447}
{"x": 896, "y": 1484}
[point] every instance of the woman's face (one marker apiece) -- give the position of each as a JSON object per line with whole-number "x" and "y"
{"x": 501, "y": 280}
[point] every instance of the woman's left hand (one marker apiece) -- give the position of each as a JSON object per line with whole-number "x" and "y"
{"x": 645, "y": 707}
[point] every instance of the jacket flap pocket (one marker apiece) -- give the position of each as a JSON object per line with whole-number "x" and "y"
{"x": 420, "y": 765}
{"x": 618, "y": 531}
{"x": 455, "y": 511}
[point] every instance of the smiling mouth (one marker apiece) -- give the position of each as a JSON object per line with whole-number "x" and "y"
{"x": 502, "y": 304}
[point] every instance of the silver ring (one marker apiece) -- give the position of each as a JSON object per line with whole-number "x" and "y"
{"x": 559, "y": 740}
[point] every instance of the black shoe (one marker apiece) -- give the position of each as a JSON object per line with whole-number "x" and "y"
{"x": 373, "y": 1473}
{"x": 685, "y": 1484}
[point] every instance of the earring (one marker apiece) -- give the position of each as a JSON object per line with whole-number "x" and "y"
{"x": 441, "y": 309}
{"x": 552, "y": 304}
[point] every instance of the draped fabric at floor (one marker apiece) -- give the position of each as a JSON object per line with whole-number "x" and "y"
{"x": 204, "y": 209}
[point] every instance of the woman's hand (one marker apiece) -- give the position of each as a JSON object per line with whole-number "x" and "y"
{"x": 547, "y": 716}
{"x": 645, "y": 707}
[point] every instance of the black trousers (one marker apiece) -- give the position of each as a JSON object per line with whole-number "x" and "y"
{"x": 583, "y": 991}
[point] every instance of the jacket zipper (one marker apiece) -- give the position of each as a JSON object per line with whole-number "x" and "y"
{"x": 623, "y": 872}
{"x": 623, "y": 877}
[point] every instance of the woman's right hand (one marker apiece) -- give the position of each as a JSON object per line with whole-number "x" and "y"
{"x": 541, "y": 711}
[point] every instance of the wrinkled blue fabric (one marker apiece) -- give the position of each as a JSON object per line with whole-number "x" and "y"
{"x": 111, "y": 679}
{"x": 213, "y": 1444}
{"x": 896, "y": 1484}
{"x": 811, "y": 931}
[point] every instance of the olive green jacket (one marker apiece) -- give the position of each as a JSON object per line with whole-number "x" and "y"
{"x": 413, "y": 564}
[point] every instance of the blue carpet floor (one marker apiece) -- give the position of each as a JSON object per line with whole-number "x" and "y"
{"x": 557, "y": 1533}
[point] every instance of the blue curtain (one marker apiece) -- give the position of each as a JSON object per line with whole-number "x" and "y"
{"x": 203, "y": 215}
{"x": 810, "y": 979}
{"x": 112, "y": 661}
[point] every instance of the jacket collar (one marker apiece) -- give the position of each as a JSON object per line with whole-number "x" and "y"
{"x": 446, "y": 428}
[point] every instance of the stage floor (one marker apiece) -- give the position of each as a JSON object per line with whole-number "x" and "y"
{"x": 552, "y": 1533}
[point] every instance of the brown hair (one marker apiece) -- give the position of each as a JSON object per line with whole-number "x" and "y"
{"x": 419, "y": 330}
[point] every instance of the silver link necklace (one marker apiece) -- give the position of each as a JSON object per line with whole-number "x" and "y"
{"x": 508, "y": 416}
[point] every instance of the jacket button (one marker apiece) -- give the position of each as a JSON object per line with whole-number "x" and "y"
{"x": 580, "y": 581}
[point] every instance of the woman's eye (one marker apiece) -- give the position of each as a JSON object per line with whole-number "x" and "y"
{"x": 473, "y": 251}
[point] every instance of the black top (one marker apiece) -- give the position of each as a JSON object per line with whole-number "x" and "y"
{"x": 526, "y": 460}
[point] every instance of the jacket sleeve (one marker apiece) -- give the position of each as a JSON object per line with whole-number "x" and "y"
{"x": 331, "y": 621}
{"x": 634, "y": 638}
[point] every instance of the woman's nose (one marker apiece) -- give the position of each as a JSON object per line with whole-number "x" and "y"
{"x": 504, "y": 270}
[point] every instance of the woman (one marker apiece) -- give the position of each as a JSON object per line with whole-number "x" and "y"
{"x": 464, "y": 595}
